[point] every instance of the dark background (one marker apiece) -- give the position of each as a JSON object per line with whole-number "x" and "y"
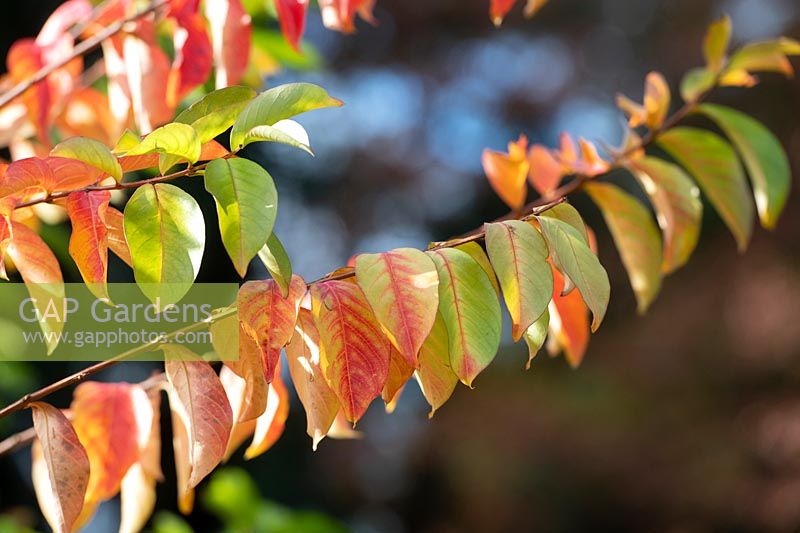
{"x": 686, "y": 419}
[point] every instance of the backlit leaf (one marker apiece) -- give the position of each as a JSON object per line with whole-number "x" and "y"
{"x": 269, "y": 426}
{"x": 401, "y": 286}
{"x": 715, "y": 166}
{"x": 568, "y": 214}
{"x": 569, "y": 321}
{"x": 696, "y": 82}
{"x": 284, "y": 131}
{"x": 435, "y": 375}
{"x": 636, "y": 236}
{"x": 88, "y": 243}
{"x": 115, "y": 233}
{"x": 292, "y": 16}
{"x": 216, "y": 111}
{"x": 399, "y": 373}
{"x": 471, "y": 312}
{"x": 231, "y": 34}
{"x": 175, "y": 139}
{"x": 198, "y": 399}
{"x": 276, "y": 104}
{"x": 318, "y": 399}
{"x": 354, "y": 351}
{"x": 535, "y": 336}
{"x": 766, "y": 162}
{"x": 248, "y": 393}
{"x": 679, "y": 210}
{"x": 572, "y": 256}
{"x": 765, "y": 56}
{"x": 545, "y": 170}
{"x": 165, "y": 231}
{"x": 475, "y": 251}
{"x": 275, "y": 259}
{"x": 247, "y": 204}
{"x": 507, "y": 172}
{"x": 60, "y": 467}
{"x": 269, "y": 318}
{"x": 519, "y": 256}
{"x": 91, "y": 152}
{"x": 716, "y": 42}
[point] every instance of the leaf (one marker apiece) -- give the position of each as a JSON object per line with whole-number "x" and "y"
{"x": 192, "y": 61}
{"x": 696, "y": 82}
{"x": 105, "y": 421}
{"x": 434, "y": 375}
{"x": 231, "y": 34}
{"x": 679, "y": 210}
{"x": 269, "y": 426}
{"x": 535, "y": 336}
{"x": 765, "y": 56}
{"x": 247, "y": 204}
{"x": 91, "y": 152}
{"x": 115, "y": 233}
{"x": 276, "y": 104}
{"x": 474, "y": 250}
{"x": 60, "y": 467}
{"x": 284, "y": 131}
{"x": 470, "y": 310}
{"x": 401, "y": 286}
{"x": 165, "y": 231}
{"x": 507, "y": 173}
{"x": 269, "y": 318}
{"x": 572, "y": 256}
{"x": 354, "y": 352}
{"x": 274, "y": 257}
{"x": 545, "y": 171}
{"x": 137, "y": 500}
{"x": 656, "y": 99}
{"x": 247, "y": 394}
{"x": 183, "y": 462}
{"x": 568, "y": 214}
{"x": 216, "y": 111}
{"x": 318, "y": 399}
{"x": 569, "y": 321}
{"x": 716, "y": 42}
{"x": 88, "y": 243}
{"x": 713, "y": 163}
{"x": 498, "y": 9}
{"x": 143, "y": 77}
{"x": 533, "y": 6}
{"x": 519, "y": 256}
{"x": 198, "y": 400}
{"x": 174, "y": 139}
{"x": 292, "y": 16}
{"x": 636, "y": 236}
{"x": 763, "y": 156}
{"x": 339, "y": 15}
{"x": 235, "y": 388}
{"x": 400, "y": 371}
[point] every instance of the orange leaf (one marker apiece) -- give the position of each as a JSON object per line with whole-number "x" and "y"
{"x": 247, "y": 394}
{"x": 198, "y": 400}
{"x": 230, "y": 40}
{"x": 105, "y": 422}
{"x": 87, "y": 114}
{"x": 60, "y": 469}
{"x": 498, "y": 9}
{"x": 399, "y": 373}
{"x": 569, "y": 321}
{"x": 507, "y": 172}
{"x": 116, "y": 235}
{"x": 146, "y": 71}
{"x": 354, "y": 352}
{"x": 319, "y": 401}
{"x": 545, "y": 171}
{"x": 269, "y": 426}
{"x": 88, "y": 244}
{"x": 339, "y": 15}
{"x": 269, "y": 318}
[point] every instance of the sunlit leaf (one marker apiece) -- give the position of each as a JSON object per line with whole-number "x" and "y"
{"x": 165, "y": 231}
{"x": 676, "y": 200}
{"x": 292, "y": 16}
{"x": 175, "y": 139}
{"x": 231, "y": 31}
{"x": 434, "y": 375}
{"x": 400, "y": 371}
{"x": 216, "y": 111}
{"x": 275, "y": 259}
{"x": 519, "y": 256}
{"x": 339, "y": 15}
{"x": 715, "y": 166}
{"x": 88, "y": 243}
{"x": 91, "y": 152}
{"x": 401, "y": 286}
{"x": 765, "y": 56}
{"x": 115, "y": 235}
{"x": 60, "y": 468}
{"x": 636, "y": 236}
{"x": 471, "y": 312}
{"x": 546, "y": 171}
{"x": 286, "y": 132}
{"x": 247, "y": 394}
{"x": 269, "y": 426}
{"x": 276, "y": 104}
{"x": 696, "y": 82}
{"x": 568, "y": 214}
{"x": 535, "y": 336}
{"x": 715, "y": 45}
{"x": 247, "y": 204}
{"x": 474, "y": 250}
{"x": 766, "y": 162}
{"x": 569, "y": 321}
{"x": 507, "y": 172}
{"x": 354, "y": 351}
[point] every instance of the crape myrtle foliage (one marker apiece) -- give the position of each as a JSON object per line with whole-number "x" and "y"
{"x": 365, "y": 329}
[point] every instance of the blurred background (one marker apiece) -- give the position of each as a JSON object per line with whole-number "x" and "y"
{"x": 685, "y": 419}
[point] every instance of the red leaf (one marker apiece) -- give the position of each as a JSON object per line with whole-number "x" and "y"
{"x": 340, "y": 15}
{"x": 355, "y": 352}
{"x": 292, "y": 16}
{"x": 60, "y": 467}
{"x": 192, "y": 63}
{"x": 230, "y": 39}
{"x": 88, "y": 244}
{"x": 498, "y": 10}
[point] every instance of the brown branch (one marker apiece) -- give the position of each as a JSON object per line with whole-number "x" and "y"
{"x": 82, "y": 48}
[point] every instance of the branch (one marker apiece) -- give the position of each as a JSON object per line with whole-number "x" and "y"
{"x": 81, "y": 49}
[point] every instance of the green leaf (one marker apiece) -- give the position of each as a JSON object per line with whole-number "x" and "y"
{"x": 716, "y": 43}
{"x": 165, "y": 231}
{"x": 470, "y": 310}
{"x": 535, "y": 336}
{"x": 274, "y": 257}
{"x": 636, "y": 236}
{"x": 284, "y": 132}
{"x": 247, "y": 204}
{"x": 763, "y": 156}
{"x": 572, "y": 256}
{"x": 276, "y": 104}
{"x": 474, "y": 250}
{"x": 765, "y": 56}
{"x": 127, "y": 141}
{"x": 274, "y": 45}
{"x": 174, "y": 139}
{"x": 679, "y": 210}
{"x": 518, "y": 254}
{"x": 696, "y": 82}
{"x": 566, "y": 213}
{"x": 216, "y": 111}
{"x": 715, "y": 166}
{"x": 91, "y": 152}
